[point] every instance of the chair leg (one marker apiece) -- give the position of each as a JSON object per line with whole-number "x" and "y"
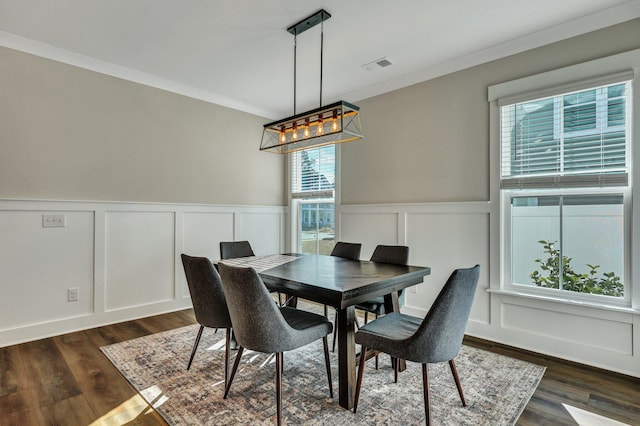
{"x": 279, "y": 387}
{"x": 378, "y": 355}
{"x": 227, "y": 349}
{"x": 335, "y": 331}
{"x": 363, "y": 361}
{"x": 454, "y": 371}
{"x": 395, "y": 363}
{"x": 327, "y": 363}
{"x": 195, "y": 346}
{"x": 425, "y": 386}
{"x": 233, "y": 371}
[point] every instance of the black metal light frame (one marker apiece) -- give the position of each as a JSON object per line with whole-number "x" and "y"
{"x": 332, "y": 124}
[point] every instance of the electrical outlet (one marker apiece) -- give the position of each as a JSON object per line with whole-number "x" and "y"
{"x": 413, "y": 289}
{"x": 54, "y": 220}
{"x": 73, "y": 294}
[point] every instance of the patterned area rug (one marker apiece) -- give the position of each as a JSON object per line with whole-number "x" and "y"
{"x": 496, "y": 387}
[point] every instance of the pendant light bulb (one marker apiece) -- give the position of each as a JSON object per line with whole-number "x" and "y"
{"x": 334, "y": 122}
{"x": 320, "y": 125}
{"x": 306, "y": 128}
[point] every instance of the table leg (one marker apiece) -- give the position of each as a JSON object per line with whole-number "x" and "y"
{"x": 391, "y": 304}
{"x": 346, "y": 356}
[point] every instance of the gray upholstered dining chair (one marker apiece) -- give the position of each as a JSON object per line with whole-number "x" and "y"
{"x": 349, "y": 251}
{"x": 236, "y": 249}
{"x": 262, "y": 326}
{"x": 436, "y": 338}
{"x": 209, "y": 304}
{"x": 233, "y": 249}
{"x": 398, "y": 255}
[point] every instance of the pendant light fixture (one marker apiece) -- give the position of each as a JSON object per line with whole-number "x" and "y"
{"x": 331, "y": 124}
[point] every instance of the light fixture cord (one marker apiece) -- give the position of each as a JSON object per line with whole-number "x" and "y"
{"x": 295, "y": 61}
{"x": 321, "y": 49}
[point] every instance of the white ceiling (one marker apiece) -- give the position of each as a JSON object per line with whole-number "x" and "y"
{"x": 239, "y": 54}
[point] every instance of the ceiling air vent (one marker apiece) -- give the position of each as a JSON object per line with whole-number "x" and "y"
{"x": 378, "y": 64}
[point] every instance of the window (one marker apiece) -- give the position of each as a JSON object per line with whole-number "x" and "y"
{"x": 564, "y": 179}
{"x": 312, "y": 191}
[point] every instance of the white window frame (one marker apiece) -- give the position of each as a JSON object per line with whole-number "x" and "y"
{"x": 587, "y": 75}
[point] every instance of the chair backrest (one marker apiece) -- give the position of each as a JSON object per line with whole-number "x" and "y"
{"x": 257, "y": 321}
{"x": 206, "y": 291}
{"x": 440, "y": 335}
{"x": 398, "y": 255}
{"x": 349, "y": 251}
{"x": 233, "y": 249}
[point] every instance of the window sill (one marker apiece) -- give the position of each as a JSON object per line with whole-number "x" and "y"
{"x": 593, "y": 305}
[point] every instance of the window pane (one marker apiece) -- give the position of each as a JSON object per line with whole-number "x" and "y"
{"x": 317, "y": 227}
{"x": 616, "y": 112}
{"x": 580, "y": 111}
{"x": 585, "y": 231}
{"x": 581, "y": 133}
{"x": 533, "y": 147}
{"x": 534, "y": 220}
{"x": 599, "y": 151}
{"x": 593, "y": 244}
{"x": 313, "y": 170}
{"x": 581, "y": 117}
{"x": 616, "y": 91}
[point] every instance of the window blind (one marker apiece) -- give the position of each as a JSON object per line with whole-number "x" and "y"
{"x": 313, "y": 173}
{"x": 576, "y": 139}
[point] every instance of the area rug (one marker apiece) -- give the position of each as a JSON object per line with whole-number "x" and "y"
{"x": 496, "y": 387}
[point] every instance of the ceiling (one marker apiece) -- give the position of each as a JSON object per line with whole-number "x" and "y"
{"x": 239, "y": 54}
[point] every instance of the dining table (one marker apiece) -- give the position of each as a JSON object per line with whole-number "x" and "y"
{"x": 340, "y": 283}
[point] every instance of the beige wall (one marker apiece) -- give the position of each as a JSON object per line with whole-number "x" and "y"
{"x": 430, "y": 142}
{"x": 71, "y": 134}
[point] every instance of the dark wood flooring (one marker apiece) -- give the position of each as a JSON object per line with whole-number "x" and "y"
{"x": 66, "y": 380}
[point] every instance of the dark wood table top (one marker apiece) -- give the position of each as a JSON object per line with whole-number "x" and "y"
{"x": 340, "y": 282}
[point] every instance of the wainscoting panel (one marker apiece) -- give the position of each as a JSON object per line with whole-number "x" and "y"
{"x": 203, "y": 231}
{"x": 264, "y": 229}
{"x": 38, "y": 265}
{"x": 123, "y": 258}
{"x": 201, "y": 236}
{"x": 369, "y": 228}
{"x": 447, "y": 241}
{"x": 614, "y": 334}
{"x": 139, "y": 258}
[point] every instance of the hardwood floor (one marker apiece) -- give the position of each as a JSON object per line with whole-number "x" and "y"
{"x": 66, "y": 380}
{"x": 572, "y": 394}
